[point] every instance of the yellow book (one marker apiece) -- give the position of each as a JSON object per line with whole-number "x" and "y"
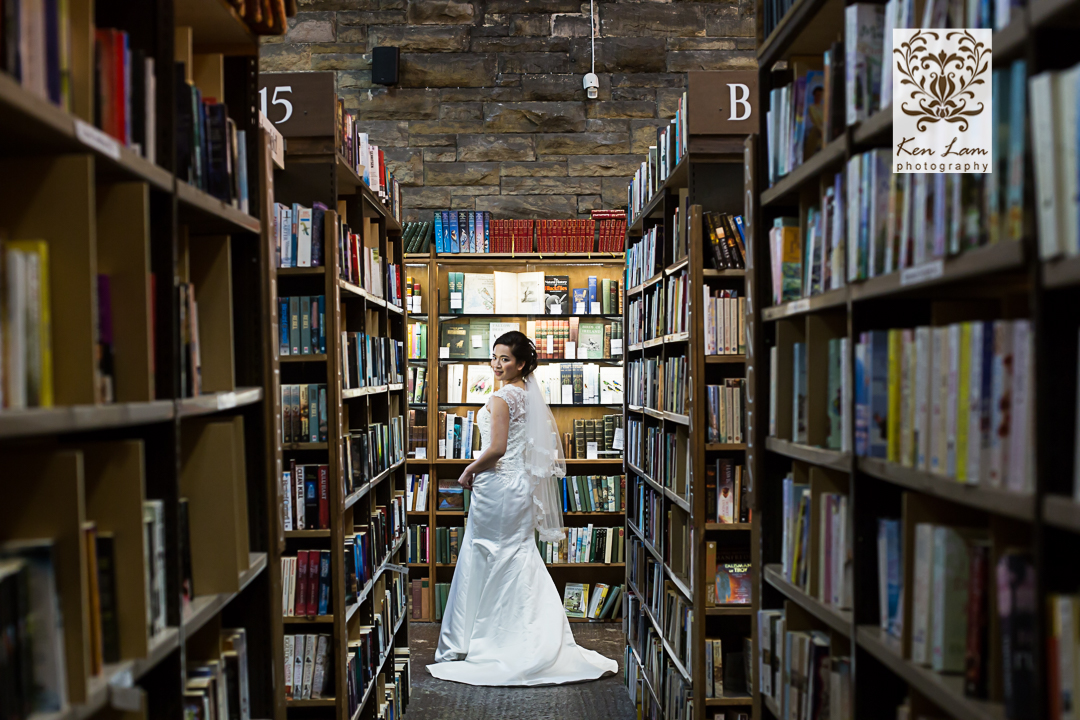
{"x": 963, "y": 409}
{"x": 39, "y": 249}
{"x": 907, "y": 398}
{"x": 892, "y": 452}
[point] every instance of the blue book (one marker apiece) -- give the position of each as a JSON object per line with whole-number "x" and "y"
{"x": 455, "y": 242}
{"x": 581, "y": 300}
{"x": 889, "y": 582}
{"x": 878, "y": 365}
{"x": 487, "y": 231}
{"x": 438, "y": 233}
{"x": 1017, "y": 110}
{"x": 324, "y": 582}
{"x": 322, "y": 324}
{"x": 283, "y": 326}
{"x": 798, "y": 393}
{"x": 445, "y": 216}
{"x": 862, "y": 404}
{"x": 478, "y": 233}
{"x": 592, "y": 293}
{"x": 295, "y": 240}
{"x": 565, "y": 497}
{"x": 464, "y": 231}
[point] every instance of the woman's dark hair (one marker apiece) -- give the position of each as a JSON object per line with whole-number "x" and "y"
{"x": 522, "y": 348}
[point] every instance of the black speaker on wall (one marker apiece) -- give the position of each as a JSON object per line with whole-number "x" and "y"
{"x": 384, "y": 66}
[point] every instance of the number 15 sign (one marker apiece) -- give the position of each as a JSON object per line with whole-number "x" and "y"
{"x": 299, "y": 104}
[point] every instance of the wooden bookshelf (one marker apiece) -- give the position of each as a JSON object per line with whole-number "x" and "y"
{"x": 1005, "y": 280}
{"x": 316, "y": 171}
{"x": 431, "y": 269}
{"x": 700, "y": 182}
{"x": 204, "y": 458}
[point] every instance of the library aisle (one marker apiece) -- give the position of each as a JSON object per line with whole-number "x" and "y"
{"x": 436, "y": 700}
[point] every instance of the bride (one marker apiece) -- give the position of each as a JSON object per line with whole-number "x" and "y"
{"x": 504, "y": 623}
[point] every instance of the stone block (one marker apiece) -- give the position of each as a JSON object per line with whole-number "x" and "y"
{"x": 570, "y": 25}
{"x": 550, "y": 185}
{"x": 425, "y": 197}
{"x": 604, "y": 165}
{"x": 508, "y": 80}
{"x": 607, "y": 125}
{"x": 530, "y": 25}
{"x": 629, "y": 55}
{"x": 690, "y": 60}
{"x": 624, "y": 80}
{"x": 614, "y": 192}
{"x": 585, "y": 203}
{"x": 667, "y": 101}
{"x": 284, "y": 57}
{"x": 311, "y": 27}
{"x": 652, "y": 19}
{"x": 730, "y": 20}
{"x": 440, "y": 12}
{"x": 463, "y": 112}
{"x": 353, "y": 27}
{"x": 643, "y": 134}
{"x": 519, "y": 44}
{"x": 420, "y": 38}
{"x": 339, "y": 61}
{"x": 484, "y": 148}
{"x": 548, "y": 63}
{"x": 442, "y": 127}
{"x": 440, "y": 154}
{"x": 459, "y": 173}
{"x": 533, "y": 6}
{"x": 462, "y": 202}
{"x": 538, "y": 117}
{"x": 354, "y": 80}
{"x": 440, "y": 141}
{"x": 399, "y": 104}
{"x": 388, "y": 133}
{"x": 583, "y": 143}
{"x": 533, "y": 169}
{"x": 561, "y": 87}
{"x": 633, "y": 94}
{"x": 436, "y": 70}
{"x": 546, "y": 207}
{"x": 485, "y": 94}
{"x": 407, "y": 164}
{"x": 622, "y": 109}
{"x": 552, "y": 158}
{"x": 712, "y": 43}
{"x": 475, "y": 190}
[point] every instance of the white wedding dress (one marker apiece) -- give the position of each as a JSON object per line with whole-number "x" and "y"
{"x": 504, "y": 622}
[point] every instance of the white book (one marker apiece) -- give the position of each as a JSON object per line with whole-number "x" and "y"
{"x": 318, "y": 681}
{"x": 365, "y": 158}
{"x": 923, "y": 347}
{"x": 854, "y": 188}
{"x": 298, "y": 666}
{"x": 922, "y": 607}
{"x": 299, "y": 481}
{"x": 15, "y": 361}
{"x": 773, "y": 366}
{"x": 950, "y": 597}
{"x": 479, "y": 294}
{"x": 907, "y": 398}
{"x": 288, "y": 665}
{"x": 287, "y": 504}
{"x": 1021, "y": 437}
{"x": 590, "y": 376}
{"x": 1000, "y": 404}
{"x": 467, "y": 435}
{"x": 481, "y": 383}
{"x": 1066, "y": 90}
{"x": 309, "y": 664}
{"x": 421, "y": 501}
{"x": 952, "y": 399}
{"x": 448, "y": 451}
{"x": 303, "y": 236}
{"x": 287, "y": 260}
{"x": 836, "y": 277}
{"x": 1047, "y": 160}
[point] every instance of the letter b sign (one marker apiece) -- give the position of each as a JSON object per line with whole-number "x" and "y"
{"x": 722, "y": 103}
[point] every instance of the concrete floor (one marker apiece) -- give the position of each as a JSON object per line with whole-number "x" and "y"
{"x": 603, "y": 699}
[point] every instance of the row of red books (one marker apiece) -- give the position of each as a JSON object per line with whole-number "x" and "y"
{"x": 512, "y": 236}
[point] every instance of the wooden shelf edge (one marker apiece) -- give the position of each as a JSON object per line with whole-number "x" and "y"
{"x": 838, "y": 620}
{"x": 944, "y": 691}
{"x": 207, "y": 606}
{"x": 814, "y": 303}
{"x": 1061, "y": 512}
{"x": 832, "y": 459}
{"x": 833, "y": 153}
{"x": 83, "y": 418}
{"x": 998, "y": 502}
{"x": 209, "y": 215}
{"x": 218, "y": 402}
{"x": 1006, "y": 255}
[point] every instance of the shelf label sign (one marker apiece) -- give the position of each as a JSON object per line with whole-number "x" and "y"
{"x": 299, "y": 104}
{"x": 722, "y": 103}
{"x": 942, "y": 100}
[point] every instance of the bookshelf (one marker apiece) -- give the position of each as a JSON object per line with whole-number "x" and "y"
{"x": 362, "y": 500}
{"x": 431, "y": 270}
{"x": 1023, "y": 514}
{"x": 708, "y": 176}
{"x": 145, "y": 484}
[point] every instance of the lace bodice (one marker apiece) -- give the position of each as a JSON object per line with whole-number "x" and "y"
{"x": 517, "y": 400}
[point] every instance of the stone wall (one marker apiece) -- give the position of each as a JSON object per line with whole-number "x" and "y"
{"x": 490, "y": 113}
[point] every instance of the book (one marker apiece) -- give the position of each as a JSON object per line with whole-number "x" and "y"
{"x": 479, "y": 293}
{"x": 480, "y": 383}
{"x": 450, "y": 495}
{"x": 556, "y": 294}
{"x": 519, "y": 293}
{"x": 576, "y": 599}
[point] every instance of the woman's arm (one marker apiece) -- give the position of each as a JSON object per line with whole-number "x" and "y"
{"x": 500, "y": 428}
